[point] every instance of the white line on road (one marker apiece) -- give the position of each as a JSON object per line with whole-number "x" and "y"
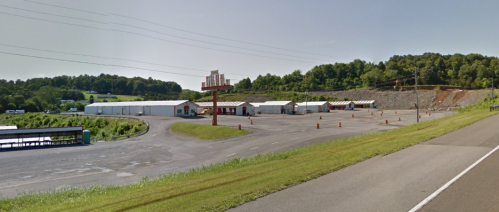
{"x": 275, "y": 143}
{"x": 231, "y": 154}
{"x": 153, "y": 135}
{"x": 254, "y": 148}
{"x": 437, "y": 192}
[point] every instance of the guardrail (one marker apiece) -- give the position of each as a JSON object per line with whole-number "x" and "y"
{"x": 494, "y": 107}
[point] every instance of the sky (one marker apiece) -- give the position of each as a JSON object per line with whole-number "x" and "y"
{"x": 182, "y": 41}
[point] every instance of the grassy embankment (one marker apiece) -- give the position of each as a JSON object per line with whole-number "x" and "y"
{"x": 225, "y": 185}
{"x": 206, "y": 132}
{"x": 121, "y": 98}
{"x": 102, "y": 128}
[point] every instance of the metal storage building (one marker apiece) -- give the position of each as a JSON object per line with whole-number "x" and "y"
{"x": 229, "y": 108}
{"x": 147, "y": 108}
{"x": 318, "y": 106}
{"x": 365, "y": 103}
{"x": 275, "y": 107}
{"x": 342, "y": 105}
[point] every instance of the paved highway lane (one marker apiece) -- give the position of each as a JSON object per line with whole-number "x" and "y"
{"x": 396, "y": 182}
{"x": 160, "y": 152}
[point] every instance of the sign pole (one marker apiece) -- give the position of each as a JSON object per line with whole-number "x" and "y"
{"x": 215, "y": 111}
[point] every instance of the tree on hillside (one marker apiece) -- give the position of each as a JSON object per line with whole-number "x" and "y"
{"x": 91, "y": 99}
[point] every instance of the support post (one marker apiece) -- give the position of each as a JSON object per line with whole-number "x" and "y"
{"x": 215, "y": 110}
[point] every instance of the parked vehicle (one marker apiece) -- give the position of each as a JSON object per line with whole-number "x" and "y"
{"x": 207, "y": 111}
{"x": 73, "y": 109}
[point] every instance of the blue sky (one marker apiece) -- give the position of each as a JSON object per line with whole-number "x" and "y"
{"x": 334, "y": 31}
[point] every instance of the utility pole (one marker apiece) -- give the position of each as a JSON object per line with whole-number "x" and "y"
{"x": 306, "y": 101}
{"x": 492, "y": 92}
{"x": 417, "y": 96}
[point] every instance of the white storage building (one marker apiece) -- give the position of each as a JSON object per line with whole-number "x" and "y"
{"x": 229, "y": 108}
{"x": 342, "y": 105}
{"x": 147, "y": 108}
{"x": 318, "y": 106}
{"x": 275, "y": 107}
{"x": 365, "y": 104}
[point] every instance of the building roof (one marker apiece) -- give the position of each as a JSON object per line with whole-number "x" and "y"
{"x": 8, "y": 127}
{"x": 221, "y": 104}
{"x": 362, "y": 102}
{"x": 139, "y": 103}
{"x": 318, "y": 103}
{"x": 272, "y": 103}
{"x": 340, "y": 103}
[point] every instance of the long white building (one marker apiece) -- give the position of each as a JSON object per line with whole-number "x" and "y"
{"x": 275, "y": 107}
{"x": 316, "y": 106}
{"x": 147, "y": 108}
{"x": 229, "y": 108}
{"x": 342, "y": 105}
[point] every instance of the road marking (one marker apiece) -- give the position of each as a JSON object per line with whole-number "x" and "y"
{"x": 210, "y": 147}
{"x": 153, "y": 135}
{"x": 437, "y": 192}
{"x": 254, "y": 148}
{"x": 231, "y": 154}
{"x": 275, "y": 143}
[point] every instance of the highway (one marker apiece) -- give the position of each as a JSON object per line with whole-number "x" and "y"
{"x": 401, "y": 180}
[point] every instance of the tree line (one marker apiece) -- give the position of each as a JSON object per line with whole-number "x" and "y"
{"x": 472, "y": 71}
{"x": 39, "y": 94}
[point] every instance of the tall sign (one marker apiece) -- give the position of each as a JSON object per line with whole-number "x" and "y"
{"x": 215, "y": 82}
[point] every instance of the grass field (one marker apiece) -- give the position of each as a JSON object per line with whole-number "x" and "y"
{"x": 206, "y": 132}
{"x": 224, "y": 185}
{"x": 121, "y": 98}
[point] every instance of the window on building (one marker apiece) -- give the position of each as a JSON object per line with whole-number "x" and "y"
{"x": 179, "y": 111}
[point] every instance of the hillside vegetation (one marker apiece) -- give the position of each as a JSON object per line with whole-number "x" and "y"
{"x": 102, "y": 128}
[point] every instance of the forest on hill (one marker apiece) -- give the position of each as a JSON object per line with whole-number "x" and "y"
{"x": 472, "y": 71}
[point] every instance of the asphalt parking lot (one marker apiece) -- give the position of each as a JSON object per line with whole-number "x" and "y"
{"x": 161, "y": 152}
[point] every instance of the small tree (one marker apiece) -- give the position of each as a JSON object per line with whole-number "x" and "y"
{"x": 91, "y": 100}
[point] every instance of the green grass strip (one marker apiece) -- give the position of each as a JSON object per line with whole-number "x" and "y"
{"x": 207, "y": 132}
{"x": 225, "y": 185}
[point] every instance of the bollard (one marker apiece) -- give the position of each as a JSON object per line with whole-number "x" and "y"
{"x": 317, "y": 125}
{"x": 249, "y": 117}
{"x": 386, "y": 121}
{"x": 399, "y": 118}
{"x": 339, "y": 124}
{"x": 426, "y": 112}
{"x": 381, "y": 114}
{"x": 419, "y": 116}
{"x": 320, "y": 117}
{"x": 371, "y": 113}
{"x": 429, "y": 114}
{"x": 352, "y": 115}
{"x": 239, "y": 127}
{"x": 251, "y": 121}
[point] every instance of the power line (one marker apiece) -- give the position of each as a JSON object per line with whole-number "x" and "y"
{"x": 82, "y": 19}
{"x": 141, "y": 28}
{"x": 78, "y": 25}
{"x": 113, "y": 58}
{"x": 182, "y": 30}
{"x": 145, "y": 29}
{"x": 69, "y": 8}
{"x": 99, "y": 64}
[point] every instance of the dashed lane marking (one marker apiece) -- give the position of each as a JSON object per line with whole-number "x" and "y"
{"x": 231, "y": 154}
{"x": 254, "y": 148}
